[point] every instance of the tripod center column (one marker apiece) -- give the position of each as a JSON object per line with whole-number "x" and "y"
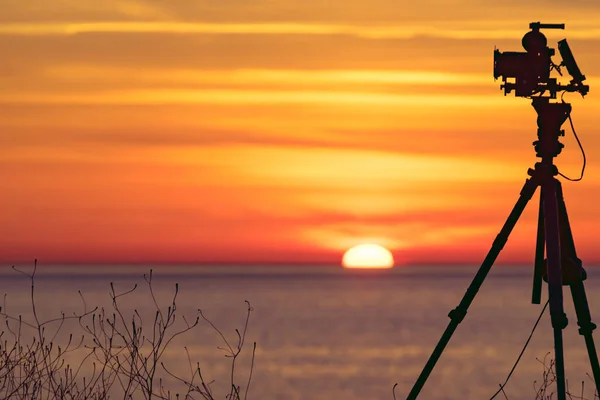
{"x": 551, "y": 116}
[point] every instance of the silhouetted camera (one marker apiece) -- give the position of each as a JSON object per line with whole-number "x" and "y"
{"x": 528, "y": 72}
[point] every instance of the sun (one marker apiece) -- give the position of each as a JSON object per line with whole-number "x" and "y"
{"x": 368, "y": 256}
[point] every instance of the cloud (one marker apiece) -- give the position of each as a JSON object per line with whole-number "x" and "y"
{"x": 113, "y": 50}
{"x": 351, "y": 168}
{"x": 87, "y": 10}
{"x": 460, "y": 13}
{"x": 259, "y": 97}
{"x": 245, "y": 77}
{"x": 279, "y": 28}
{"x": 139, "y": 51}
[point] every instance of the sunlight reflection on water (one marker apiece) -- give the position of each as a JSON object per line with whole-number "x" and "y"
{"x": 327, "y": 334}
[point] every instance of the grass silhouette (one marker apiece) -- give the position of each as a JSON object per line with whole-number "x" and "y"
{"x": 112, "y": 356}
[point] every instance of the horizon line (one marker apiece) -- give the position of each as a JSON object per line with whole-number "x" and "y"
{"x": 251, "y": 264}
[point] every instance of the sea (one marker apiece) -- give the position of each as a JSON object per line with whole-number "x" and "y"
{"x": 307, "y": 332}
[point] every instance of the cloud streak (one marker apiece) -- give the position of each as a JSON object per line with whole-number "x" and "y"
{"x": 244, "y": 76}
{"x": 278, "y": 28}
{"x": 273, "y": 97}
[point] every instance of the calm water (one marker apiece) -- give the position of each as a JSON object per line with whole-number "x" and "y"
{"x": 328, "y": 333}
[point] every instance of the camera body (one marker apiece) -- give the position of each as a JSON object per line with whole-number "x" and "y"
{"x": 528, "y": 72}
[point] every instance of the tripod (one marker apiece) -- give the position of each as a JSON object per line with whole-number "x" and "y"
{"x": 561, "y": 267}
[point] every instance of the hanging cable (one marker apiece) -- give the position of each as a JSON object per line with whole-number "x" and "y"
{"x": 580, "y": 146}
{"x": 521, "y": 354}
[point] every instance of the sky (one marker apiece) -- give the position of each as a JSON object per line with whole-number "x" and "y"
{"x": 278, "y": 131}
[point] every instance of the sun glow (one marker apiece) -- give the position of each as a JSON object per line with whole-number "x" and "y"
{"x": 368, "y": 256}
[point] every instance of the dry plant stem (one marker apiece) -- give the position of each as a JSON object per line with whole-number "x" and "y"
{"x": 231, "y": 352}
{"x": 204, "y": 387}
{"x": 118, "y": 356}
{"x": 549, "y": 379}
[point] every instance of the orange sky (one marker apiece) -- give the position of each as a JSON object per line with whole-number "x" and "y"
{"x": 277, "y": 131}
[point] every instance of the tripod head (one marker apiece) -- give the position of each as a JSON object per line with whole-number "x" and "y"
{"x": 528, "y": 72}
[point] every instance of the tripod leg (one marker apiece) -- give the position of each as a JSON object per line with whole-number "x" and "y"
{"x": 536, "y": 293}
{"x": 582, "y": 310}
{"x": 557, "y": 314}
{"x": 457, "y": 315}
{"x": 586, "y": 327}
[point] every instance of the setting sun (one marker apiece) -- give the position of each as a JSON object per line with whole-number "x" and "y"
{"x": 368, "y": 256}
